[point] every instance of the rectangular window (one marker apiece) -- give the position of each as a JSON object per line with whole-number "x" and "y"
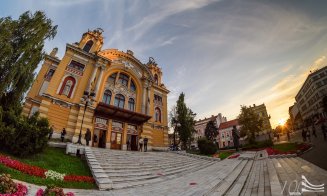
{"x": 76, "y": 65}
{"x": 117, "y": 124}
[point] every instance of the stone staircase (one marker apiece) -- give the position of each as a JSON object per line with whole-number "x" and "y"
{"x": 165, "y": 173}
{"x": 122, "y": 169}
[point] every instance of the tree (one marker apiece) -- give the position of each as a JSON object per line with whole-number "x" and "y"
{"x": 250, "y": 123}
{"x": 183, "y": 118}
{"x": 211, "y": 131}
{"x": 21, "y": 43}
{"x": 21, "y": 50}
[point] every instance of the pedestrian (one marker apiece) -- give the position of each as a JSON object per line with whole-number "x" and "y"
{"x": 308, "y": 134}
{"x": 314, "y": 131}
{"x": 288, "y": 135}
{"x": 87, "y": 136}
{"x": 324, "y": 131}
{"x": 128, "y": 144}
{"x": 304, "y": 135}
{"x": 63, "y": 133}
{"x": 141, "y": 144}
{"x": 51, "y": 132}
{"x": 236, "y": 137}
{"x": 95, "y": 139}
{"x": 145, "y": 143}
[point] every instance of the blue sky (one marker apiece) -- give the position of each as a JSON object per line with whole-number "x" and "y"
{"x": 221, "y": 54}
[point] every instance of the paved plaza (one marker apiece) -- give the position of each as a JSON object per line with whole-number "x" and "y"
{"x": 317, "y": 155}
{"x": 167, "y": 173}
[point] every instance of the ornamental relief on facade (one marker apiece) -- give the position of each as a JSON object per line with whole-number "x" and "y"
{"x": 120, "y": 89}
{"x": 127, "y": 65}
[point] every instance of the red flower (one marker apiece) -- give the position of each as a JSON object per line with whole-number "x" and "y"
{"x": 234, "y": 156}
{"x": 25, "y": 168}
{"x": 74, "y": 178}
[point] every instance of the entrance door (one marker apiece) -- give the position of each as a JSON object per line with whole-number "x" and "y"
{"x": 134, "y": 142}
{"x": 116, "y": 140}
{"x": 102, "y": 138}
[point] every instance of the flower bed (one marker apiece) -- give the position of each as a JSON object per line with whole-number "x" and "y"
{"x": 53, "y": 191}
{"x": 25, "y": 168}
{"x": 73, "y": 178}
{"x": 9, "y": 188}
{"x": 234, "y": 156}
{"x": 40, "y": 172}
{"x": 300, "y": 148}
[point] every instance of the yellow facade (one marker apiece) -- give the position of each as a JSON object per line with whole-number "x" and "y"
{"x": 129, "y": 98}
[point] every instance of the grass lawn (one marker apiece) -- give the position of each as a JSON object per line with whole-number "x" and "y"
{"x": 52, "y": 159}
{"x": 55, "y": 159}
{"x": 224, "y": 155}
{"x": 285, "y": 147}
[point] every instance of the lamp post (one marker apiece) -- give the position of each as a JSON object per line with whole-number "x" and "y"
{"x": 88, "y": 98}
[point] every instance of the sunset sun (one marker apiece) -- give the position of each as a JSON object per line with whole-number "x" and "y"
{"x": 281, "y": 121}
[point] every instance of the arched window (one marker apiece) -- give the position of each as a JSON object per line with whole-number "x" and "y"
{"x": 106, "y": 97}
{"x": 119, "y": 100}
{"x": 156, "y": 80}
{"x": 67, "y": 86}
{"x": 123, "y": 79}
{"x": 88, "y": 46}
{"x": 133, "y": 87}
{"x": 157, "y": 115}
{"x": 131, "y": 104}
{"x": 112, "y": 78}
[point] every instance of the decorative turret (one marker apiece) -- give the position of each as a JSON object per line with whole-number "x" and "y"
{"x": 92, "y": 41}
{"x": 54, "y": 52}
{"x": 155, "y": 70}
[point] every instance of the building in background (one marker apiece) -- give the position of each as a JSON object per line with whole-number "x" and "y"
{"x": 295, "y": 117}
{"x": 225, "y": 135}
{"x": 309, "y": 98}
{"x": 261, "y": 111}
{"x": 200, "y": 125}
{"x": 130, "y": 97}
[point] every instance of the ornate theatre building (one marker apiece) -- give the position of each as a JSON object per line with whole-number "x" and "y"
{"x": 126, "y": 99}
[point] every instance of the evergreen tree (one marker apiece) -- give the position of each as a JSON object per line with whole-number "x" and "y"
{"x": 211, "y": 131}
{"x": 250, "y": 123}
{"x": 184, "y": 118}
{"x": 21, "y": 43}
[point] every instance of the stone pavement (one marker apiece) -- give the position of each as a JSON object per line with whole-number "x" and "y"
{"x": 318, "y": 154}
{"x": 252, "y": 173}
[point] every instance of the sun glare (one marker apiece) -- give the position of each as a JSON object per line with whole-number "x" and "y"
{"x": 281, "y": 121}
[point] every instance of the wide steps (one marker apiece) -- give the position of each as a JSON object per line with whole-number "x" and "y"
{"x": 239, "y": 183}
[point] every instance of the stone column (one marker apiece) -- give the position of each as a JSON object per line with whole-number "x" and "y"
{"x": 92, "y": 77}
{"x": 97, "y": 86}
{"x": 148, "y": 100}
{"x": 144, "y": 100}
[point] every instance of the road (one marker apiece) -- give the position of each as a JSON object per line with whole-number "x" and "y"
{"x": 318, "y": 155}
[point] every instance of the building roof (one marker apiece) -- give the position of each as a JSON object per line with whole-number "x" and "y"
{"x": 228, "y": 124}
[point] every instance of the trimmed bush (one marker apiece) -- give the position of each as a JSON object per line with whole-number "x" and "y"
{"x": 21, "y": 135}
{"x": 207, "y": 147}
{"x": 262, "y": 144}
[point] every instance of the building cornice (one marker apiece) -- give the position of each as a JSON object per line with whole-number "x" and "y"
{"x": 54, "y": 59}
{"x": 80, "y": 51}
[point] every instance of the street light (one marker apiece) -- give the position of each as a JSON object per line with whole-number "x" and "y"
{"x": 88, "y": 98}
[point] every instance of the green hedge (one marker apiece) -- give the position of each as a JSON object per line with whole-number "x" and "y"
{"x": 262, "y": 144}
{"x": 207, "y": 147}
{"x": 21, "y": 135}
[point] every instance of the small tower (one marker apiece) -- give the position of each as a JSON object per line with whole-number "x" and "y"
{"x": 155, "y": 70}
{"x": 91, "y": 41}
